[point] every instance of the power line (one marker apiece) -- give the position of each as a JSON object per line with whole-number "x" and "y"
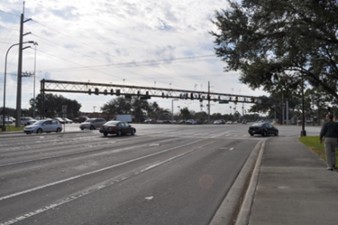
{"x": 137, "y": 63}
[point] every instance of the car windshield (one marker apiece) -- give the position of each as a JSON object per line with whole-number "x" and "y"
{"x": 90, "y": 120}
{"x": 257, "y": 124}
{"x": 112, "y": 123}
{"x": 39, "y": 122}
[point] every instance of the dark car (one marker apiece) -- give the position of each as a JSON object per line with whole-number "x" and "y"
{"x": 263, "y": 128}
{"x": 117, "y": 127}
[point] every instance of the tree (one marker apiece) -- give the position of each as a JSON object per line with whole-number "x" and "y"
{"x": 53, "y": 106}
{"x": 153, "y": 110}
{"x": 185, "y": 113}
{"x": 202, "y": 117}
{"x": 118, "y": 105}
{"x": 272, "y": 42}
{"x": 265, "y": 104}
{"x": 139, "y": 107}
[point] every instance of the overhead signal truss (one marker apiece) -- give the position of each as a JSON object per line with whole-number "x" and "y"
{"x": 142, "y": 92}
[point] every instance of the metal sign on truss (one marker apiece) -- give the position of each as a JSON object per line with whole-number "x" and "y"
{"x": 141, "y": 91}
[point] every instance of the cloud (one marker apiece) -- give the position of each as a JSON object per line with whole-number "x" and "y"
{"x": 137, "y": 42}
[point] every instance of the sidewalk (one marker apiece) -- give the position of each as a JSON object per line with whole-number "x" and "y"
{"x": 293, "y": 187}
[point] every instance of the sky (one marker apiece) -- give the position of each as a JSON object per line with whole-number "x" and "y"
{"x": 153, "y": 43}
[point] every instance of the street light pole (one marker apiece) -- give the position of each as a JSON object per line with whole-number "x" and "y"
{"x": 5, "y": 80}
{"x": 208, "y": 102}
{"x": 4, "y": 96}
{"x": 172, "y": 109}
{"x": 303, "y": 132}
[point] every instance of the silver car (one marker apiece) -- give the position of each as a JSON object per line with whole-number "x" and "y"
{"x": 43, "y": 126}
{"x": 92, "y": 123}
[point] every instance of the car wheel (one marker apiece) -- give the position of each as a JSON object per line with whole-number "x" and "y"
{"x": 119, "y": 133}
{"x": 264, "y": 133}
{"x": 251, "y": 134}
{"x": 132, "y": 132}
{"x": 39, "y": 131}
{"x": 105, "y": 134}
{"x": 58, "y": 130}
{"x": 92, "y": 128}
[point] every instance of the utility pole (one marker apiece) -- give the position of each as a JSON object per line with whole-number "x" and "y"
{"x": 303, "y": 132}
{"x": 19, "y": 75}
{"x": 208, "y": 102}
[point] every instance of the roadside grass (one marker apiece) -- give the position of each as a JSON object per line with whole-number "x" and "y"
{"x": 13, "y": 128}
{"x": 313, "y": 143}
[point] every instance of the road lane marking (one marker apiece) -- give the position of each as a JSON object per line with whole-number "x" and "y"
{"x": 100, "y": 147}
{"x": 102, "y": 185}
{"x": 93, "y": 172}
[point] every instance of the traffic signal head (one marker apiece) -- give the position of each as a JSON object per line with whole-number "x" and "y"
{"x": 145, "y": 97}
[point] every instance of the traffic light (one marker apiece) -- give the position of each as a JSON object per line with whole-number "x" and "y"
{"x": 145, "y": 97}
{"x": 105, "y": 92}
{"x": 89, "y": 91}
{"x": 223, "y": 102}
{"x": 118, "y": 92}
{"x": 96, "y": 91}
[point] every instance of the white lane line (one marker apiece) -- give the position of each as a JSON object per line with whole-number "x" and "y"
{"x": 97, "y": 187}
{"x": 106, "y": 144}
{"x": 92, "y": 172}
{"x": 73, "y": 154}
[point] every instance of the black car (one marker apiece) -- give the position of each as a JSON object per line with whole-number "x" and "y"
{"x": 263, "y": 128}
{"x": 117, "y": 127}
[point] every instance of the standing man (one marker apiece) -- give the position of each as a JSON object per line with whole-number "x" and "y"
{"x": 329, "y": 133}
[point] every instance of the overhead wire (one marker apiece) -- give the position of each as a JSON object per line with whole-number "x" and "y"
{"x": 144, "y": 63}
{"x": 97, "y": 67}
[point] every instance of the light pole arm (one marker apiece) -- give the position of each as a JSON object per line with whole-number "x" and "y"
{"x": 5, "y": 80}
{"x": 4, "y": 95}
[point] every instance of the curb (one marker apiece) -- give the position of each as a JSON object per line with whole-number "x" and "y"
{"x": 245, "y": 210}
{"x": 230, "y": 208}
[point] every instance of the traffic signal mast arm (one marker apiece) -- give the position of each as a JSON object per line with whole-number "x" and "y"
{"x": 141, "y": 91}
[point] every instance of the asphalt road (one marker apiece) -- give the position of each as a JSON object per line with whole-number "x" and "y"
{"x": 165, "y": 174}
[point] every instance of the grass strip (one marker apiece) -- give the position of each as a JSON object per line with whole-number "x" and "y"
{"x": 313, "y": 143}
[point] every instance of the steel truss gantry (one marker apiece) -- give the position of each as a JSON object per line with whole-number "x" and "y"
{"x": 142, "y": 92}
